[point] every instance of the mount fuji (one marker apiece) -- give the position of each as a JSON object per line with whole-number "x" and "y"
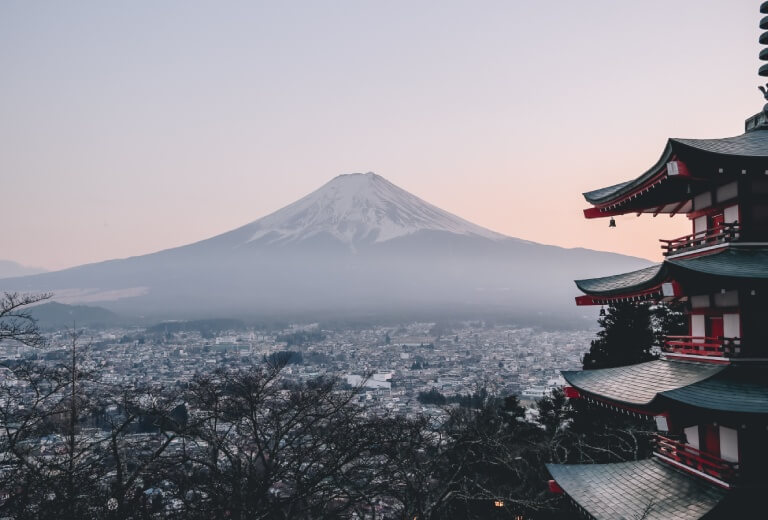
{"x": 361, "y": 208}
{"x": 358, "y": 244}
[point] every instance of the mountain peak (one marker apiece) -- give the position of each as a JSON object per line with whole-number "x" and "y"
{"x": 360, "y": 207}
{"x": 368, "y": 175}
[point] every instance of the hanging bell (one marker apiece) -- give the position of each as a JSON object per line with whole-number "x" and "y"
{"x": 602, "y": 311}
{"x": 612, "y": 222}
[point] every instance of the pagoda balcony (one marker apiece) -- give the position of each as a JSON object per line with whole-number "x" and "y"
{"x": 721, "y": 234}
{"x": 683, "y": 456}
{"x": 703, "y": 346}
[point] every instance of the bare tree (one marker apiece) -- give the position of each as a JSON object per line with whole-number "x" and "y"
{"x": 262, "y": 448}
{"x": 16, "y": 322}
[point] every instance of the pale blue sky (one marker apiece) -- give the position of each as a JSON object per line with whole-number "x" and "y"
{"x": 130, "y": 127}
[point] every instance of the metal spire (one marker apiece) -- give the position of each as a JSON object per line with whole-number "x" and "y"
{"x": 763, "y": 71}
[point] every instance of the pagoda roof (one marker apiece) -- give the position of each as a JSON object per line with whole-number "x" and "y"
{"x": 738, "y": 389}
{"x": 707, "y": 158}
{"x": 737, "y": 264}
{"x": 734, "y": 262}
{"x": 610, "y": 193}
{"x": 622, "y": 283}
{"x": 749, "y": 144}
{"x": 646, "y": 489}
{"x": 638, "y": 385}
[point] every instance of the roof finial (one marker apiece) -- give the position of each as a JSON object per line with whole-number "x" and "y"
{"x": 763, "y": 71}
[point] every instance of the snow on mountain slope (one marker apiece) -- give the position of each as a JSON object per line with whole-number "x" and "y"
{"x": 360, "y": 207}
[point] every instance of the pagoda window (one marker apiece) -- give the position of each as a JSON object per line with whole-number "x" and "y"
{"x": 662, "y": 423}
{"x": 727, "y": 191}
{"x": 703, "y": 200}
{"x": 727, "y": 299}
{"x": 731, "y": 326}
{"x": 700, "y": 225}
{"x": 700, "y": 301}
{"x": 729, "y": 444}
{"x": 692, "y": 436}
{"x": 731, "y": 214}
{"x": 698, "y": 325}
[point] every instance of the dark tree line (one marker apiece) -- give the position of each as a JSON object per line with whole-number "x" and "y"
{"x": 246, "y": 444}
{"x": 476, "y": 399}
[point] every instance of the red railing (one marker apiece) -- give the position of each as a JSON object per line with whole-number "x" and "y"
{"x": 718, "y": 234}
{"x": 698, "y": 460}
{"x": 703, "y": 346}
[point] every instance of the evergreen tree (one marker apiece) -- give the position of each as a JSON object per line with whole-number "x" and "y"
{"x": 626, "y": 337}
{"x": 553, "y": 411}
{"x": 668, "y": 320}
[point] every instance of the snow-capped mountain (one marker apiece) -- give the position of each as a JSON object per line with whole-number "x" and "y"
{"x": 360, "y": 207}
{"x": 357, "y": 244}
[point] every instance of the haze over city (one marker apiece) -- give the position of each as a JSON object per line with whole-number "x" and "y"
{"x": 128, "y": 131}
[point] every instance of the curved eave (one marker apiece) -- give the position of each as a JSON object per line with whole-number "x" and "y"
{"x": 634, "y": 281}
{"x": 645, "y": 489}
{"x": 732, "y": 268}
{"x": 638, "y": 385}
{"x": 614, "y": 193}
{"x": 738, "y": 389}
{"x": 666, "y": 186}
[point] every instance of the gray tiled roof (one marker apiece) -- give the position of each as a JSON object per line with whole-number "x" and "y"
{"x": 639, "y": 384}
{"x": 607, "y": 192}
{"x": 626, "y": 282}
{"x": 735, "y": 262}
{"x": 752, "y": 144}
{"x": 625, "y": 490}
{"x": 742, "y": 389}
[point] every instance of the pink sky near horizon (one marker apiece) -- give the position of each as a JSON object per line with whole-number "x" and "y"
{"x": 127, "y": 130}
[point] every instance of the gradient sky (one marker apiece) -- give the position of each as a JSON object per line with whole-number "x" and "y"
{"x": 130, "y": 127}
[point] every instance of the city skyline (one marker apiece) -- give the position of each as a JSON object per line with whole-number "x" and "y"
{"x": 131, "y": 131}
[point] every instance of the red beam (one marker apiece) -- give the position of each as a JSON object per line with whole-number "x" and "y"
{"x": 599, "y": 213}
{"x": 571, "y": 392}
{"x": 555, "y": 488}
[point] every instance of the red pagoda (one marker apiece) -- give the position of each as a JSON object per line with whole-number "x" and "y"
{"x": 708, "y": 391}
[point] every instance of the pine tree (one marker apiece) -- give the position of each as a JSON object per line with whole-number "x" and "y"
{"x": 668, "y": 320}
{"x": 626, "y": 338}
